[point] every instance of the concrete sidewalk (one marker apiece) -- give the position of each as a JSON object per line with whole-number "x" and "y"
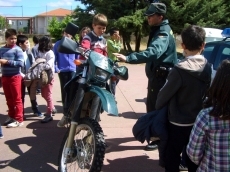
{"x": 35, "y": 146}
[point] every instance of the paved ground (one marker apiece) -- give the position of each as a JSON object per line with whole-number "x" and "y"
{"x": 34, "y": 147}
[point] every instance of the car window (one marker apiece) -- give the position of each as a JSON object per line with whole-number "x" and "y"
{"x": 223, "y": 53}
{"x": 208, "y": 51}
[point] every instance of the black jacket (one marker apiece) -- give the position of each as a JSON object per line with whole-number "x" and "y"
{"x": 184, "y": 89}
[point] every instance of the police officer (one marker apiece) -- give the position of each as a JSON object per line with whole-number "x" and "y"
{"x": 160, "y": 55}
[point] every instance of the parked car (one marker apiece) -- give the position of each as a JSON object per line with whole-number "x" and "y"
{"x": 216, "y": 51}
{"x": 213, "y": 34}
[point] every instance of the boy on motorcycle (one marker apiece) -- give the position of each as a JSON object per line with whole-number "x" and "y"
{"x": 95, "y": 41}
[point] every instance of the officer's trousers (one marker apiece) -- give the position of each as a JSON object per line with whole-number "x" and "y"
{"x": 154, "y": 86}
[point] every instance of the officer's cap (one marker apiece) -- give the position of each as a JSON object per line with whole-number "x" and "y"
{"x": 158, "y": 8}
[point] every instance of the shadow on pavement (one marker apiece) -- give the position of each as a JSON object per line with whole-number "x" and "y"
{"x": 114, "y": 145}
{"x": 132, "y": 164}
{"x": 43, "y": 148}
{"x": 141, "y": 100}
{"x": 141, "y": 163}
{"x": 131, "y": 115}
{"x": 42, "y": 109}
{"x": 128, "y": 164}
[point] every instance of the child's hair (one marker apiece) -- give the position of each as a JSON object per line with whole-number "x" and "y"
{"x": 87, "y": 29}
{"x": 45, "y": 44}
{"x": 113, "y": 30}
{"x": 100, "y": 19}
{"x": 21, "y": 39}
{"x": 219, "y": 92}
{"x": 193, "y": 37}
{"x": 10, "y": 32}
{"x": 35, "y": 39}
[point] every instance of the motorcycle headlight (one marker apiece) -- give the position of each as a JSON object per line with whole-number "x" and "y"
{"x": 101, "y": 75}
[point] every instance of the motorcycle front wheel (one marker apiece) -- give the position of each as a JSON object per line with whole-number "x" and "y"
{"x": 87, "y": 151}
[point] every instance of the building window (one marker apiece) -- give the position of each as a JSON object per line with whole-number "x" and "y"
{"x": 20, "y": 23}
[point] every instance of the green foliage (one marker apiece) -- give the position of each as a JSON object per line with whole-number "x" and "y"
{"x": 20, "y": 30}
{"x": 2, "y": 23}
{"x": 25, "y": 29}
{"x": 55, "y": 28}
{"x": 82, "y": 18}
{"x": 206, "y": 13}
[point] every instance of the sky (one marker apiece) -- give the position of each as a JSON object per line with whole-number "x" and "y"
{"x": 30, "y": 8}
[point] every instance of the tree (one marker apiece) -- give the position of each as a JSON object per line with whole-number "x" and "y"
{"x": 212, "y": 13}
{"x": 119, "y": 14}
{"x": 55, "y": 28}
{"x": 3, "y": 24}
{"x": 132, "y": 24}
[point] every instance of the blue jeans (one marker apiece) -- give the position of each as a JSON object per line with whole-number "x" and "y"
{"x": 112, "y": 84}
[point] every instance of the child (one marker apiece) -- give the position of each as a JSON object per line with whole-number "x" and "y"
{"x": 45, "y": 52}
{"x": 23, "y": 42}
{"x": 209, "y": 141}
{"x": 183, "y": 93}
{"x": 35, "y": 47}
{"x": 12, "y": 60}
{"x": 94, "y": 40}
{"x": 113, "y": 46}
{"x": 34, "y": 50}
{"x": 84, "y": 31}
{"x": 64, "y": 66}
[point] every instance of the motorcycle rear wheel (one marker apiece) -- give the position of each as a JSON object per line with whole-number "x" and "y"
{"x": 88, "y": 149}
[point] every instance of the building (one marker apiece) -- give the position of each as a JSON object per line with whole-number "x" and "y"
{"x": 20, "y": 23}
{"x": 40, "y": 21}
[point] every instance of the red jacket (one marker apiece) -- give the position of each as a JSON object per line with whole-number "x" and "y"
{"x": 93, "y": 42}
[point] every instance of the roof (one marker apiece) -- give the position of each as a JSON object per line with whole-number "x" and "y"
{"x": 18, "y": 18}
{"x": 60, "y": 12}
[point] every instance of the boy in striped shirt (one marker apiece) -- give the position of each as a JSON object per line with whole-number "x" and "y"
{"x": 11, "y": 60}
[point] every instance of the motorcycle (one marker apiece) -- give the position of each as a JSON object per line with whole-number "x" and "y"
{"x": 83, "y": 146}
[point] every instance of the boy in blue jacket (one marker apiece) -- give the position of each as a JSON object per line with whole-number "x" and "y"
{"x": 65, "y": 67}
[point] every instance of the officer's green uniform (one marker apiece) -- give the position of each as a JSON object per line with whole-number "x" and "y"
{"x": 159, "y": 57}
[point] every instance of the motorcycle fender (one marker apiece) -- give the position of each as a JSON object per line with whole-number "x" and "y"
{"x": 107, "y": 99}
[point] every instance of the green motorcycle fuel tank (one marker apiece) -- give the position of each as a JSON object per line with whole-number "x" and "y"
{"x": 100, "y": 70}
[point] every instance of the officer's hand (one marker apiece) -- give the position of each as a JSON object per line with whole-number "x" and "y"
{"x": 121, "y": 57}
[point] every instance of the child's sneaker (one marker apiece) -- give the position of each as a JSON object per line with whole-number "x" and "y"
{"x": 38, "y": 114}
{"x": 47, "y": 118}
{"x": 54, "y": 110}
{"x": 14, "y": 124}
{"x": 52, "y": 113}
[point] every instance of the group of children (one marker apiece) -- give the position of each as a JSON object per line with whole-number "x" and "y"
{"x": 16, "y": 60}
